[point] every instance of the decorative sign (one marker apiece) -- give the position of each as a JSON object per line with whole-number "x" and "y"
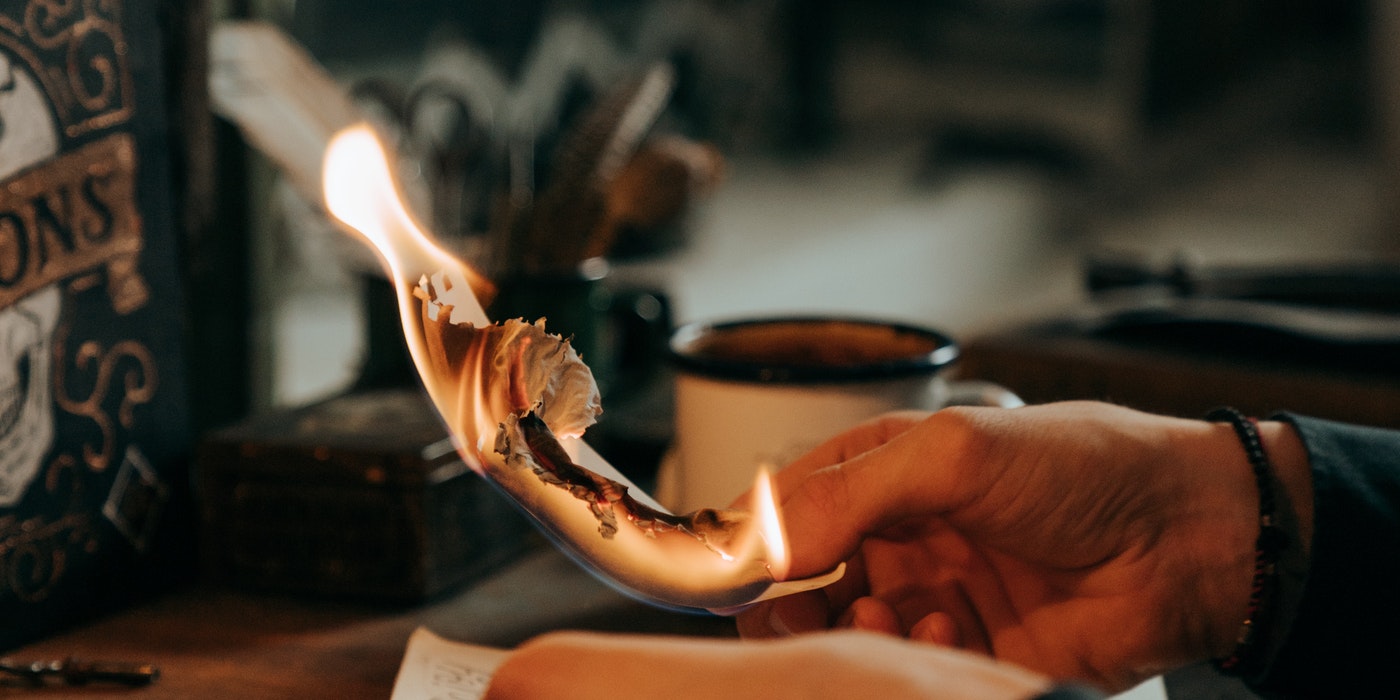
{"x": 93, "y": 441}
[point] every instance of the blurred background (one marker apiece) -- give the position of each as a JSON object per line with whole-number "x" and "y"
{"x": 1171, "y": 205}
{"x": 955, "y": 163}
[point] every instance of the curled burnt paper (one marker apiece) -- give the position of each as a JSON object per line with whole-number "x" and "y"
{"x": 523, "y": 397}
{"x": 526, "y": 441}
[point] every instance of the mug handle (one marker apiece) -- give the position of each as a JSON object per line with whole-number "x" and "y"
{"x": 976, "y": 392}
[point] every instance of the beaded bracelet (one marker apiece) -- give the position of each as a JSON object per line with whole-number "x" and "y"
{"x": 1266, "y": 547}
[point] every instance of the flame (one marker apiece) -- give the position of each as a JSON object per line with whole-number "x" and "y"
{"x": 360, "y": 192}
{"x": 668, "y": 567}
{"x": 770, "y": 524}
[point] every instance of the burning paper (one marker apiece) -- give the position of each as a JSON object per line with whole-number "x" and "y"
{"x": 518, "y": 400}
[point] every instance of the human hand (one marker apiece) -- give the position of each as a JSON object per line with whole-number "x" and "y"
{"x": 1082, "y": 540}
{"x": 846, "y": 664}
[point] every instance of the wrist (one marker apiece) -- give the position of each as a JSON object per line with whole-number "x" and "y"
{"x": 1227, "y": 530}
{"x": 1282, "y": 525}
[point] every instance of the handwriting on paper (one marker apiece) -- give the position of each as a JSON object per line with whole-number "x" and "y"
{"x": 434, "y": 668}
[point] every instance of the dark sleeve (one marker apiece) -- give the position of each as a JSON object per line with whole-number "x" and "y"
{"x": 1344, "y": 640}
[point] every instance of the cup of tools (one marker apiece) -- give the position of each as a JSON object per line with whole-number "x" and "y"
{"x": 761, "y": 392}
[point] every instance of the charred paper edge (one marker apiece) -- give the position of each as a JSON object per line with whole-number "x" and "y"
{"x": 525, "y": 439}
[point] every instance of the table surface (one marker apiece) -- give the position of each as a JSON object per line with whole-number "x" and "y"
{"x": 217, "y": 643}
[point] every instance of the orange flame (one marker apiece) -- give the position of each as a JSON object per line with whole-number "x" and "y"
{"x": 361, "y": 193}
{"x": 770, "y": 525}
{"x": 430, "y": 282}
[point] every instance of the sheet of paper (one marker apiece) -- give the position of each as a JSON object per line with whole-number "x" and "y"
{"x": 439, "y": 669}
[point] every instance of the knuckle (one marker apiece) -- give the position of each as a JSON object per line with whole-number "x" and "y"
{"x": 971, "y": 443}
{"x": 965, "y": 429}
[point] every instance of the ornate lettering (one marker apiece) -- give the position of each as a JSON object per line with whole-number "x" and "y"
{"x": 52, "y": 228}
{"x": 14, "y": 249}
{"x": 128, "y": 361}
{"x": 100, "y": 228}
{"x": 72, "y": 215}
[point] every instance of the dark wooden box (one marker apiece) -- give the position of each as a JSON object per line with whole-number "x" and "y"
{"x": 360, "y": 496}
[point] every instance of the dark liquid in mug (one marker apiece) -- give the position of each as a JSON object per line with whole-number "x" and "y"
{"x": 813, "y": 344}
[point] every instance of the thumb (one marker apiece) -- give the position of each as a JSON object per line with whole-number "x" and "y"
{"x": 917, "y": 473}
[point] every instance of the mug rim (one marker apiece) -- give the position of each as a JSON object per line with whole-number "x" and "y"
{"x": 944, "y": 353}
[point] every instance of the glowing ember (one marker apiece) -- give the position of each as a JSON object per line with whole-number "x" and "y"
{"x": 518, "y": 399}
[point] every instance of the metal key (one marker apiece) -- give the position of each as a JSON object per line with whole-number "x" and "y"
{"x": 74, "y": 671}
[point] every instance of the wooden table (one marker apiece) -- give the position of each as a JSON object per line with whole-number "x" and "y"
{"x": 215, "y": 643}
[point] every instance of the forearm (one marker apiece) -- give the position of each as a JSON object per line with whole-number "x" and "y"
{"x": 835, "y": 665}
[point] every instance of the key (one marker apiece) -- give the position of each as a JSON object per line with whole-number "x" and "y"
{"x": 74, "y": 671}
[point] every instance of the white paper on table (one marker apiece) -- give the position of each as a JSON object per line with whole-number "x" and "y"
{"x": 439, "y": 669}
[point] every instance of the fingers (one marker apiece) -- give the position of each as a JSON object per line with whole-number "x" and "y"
{"x": 809, "y": 611}
{"x": 872, "y": 615}
{"x": 917, "y": 470}
{"x": 936, "y": 628}
{"x": 862, "y": 438}
{"x": 793, "y": 615}
{"x": 835, "y": 496}
{"x": 587, "y": 666}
